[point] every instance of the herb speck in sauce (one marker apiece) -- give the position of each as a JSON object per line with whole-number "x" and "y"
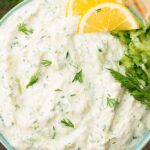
{"x": 58, "y": 90}
{"x": 34, "y": 79}
{"x": 46, "y": 63}
{"x": 98, "y": 10}
{"x": 67, "y": 123}
{"x": 100, "y": 50}
{"x": 72, "y": 95}
{"x": 22, "y": 27}
{"x": 54, "y": 133}
{"x": 111, "y": 102}
{"x": 19, "y": 86}
{"x": 78, "y": 77}
{"x": 67, "y": 55}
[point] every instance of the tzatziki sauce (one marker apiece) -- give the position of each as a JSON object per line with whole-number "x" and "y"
{"x": 56, "y": 92}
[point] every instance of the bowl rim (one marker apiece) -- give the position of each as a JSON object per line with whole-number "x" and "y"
{"x": 143, "y": 141}
{"x": 3, "y": 140}
{"x": 14, "y": 9}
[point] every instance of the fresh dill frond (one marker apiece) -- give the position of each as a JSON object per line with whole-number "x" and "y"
{"x": 22, "y": 27}
{"x": 111, "y": 102}
{"x": 67, "y": 123}
{"x": 134, "y": 87}
{"x": 58, "y": 90}
{"x": 19, "y": 86}
{"x": 34, "y": 79}
{"x": 54, "y": 132}
{"x": 78, "y": 77}
{"x": 46, "y": 63}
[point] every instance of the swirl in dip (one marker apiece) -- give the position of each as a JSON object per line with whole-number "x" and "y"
{"x": 56, "y": 92}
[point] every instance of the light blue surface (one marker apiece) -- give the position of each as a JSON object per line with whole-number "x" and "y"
{"x": 142, "y": 141}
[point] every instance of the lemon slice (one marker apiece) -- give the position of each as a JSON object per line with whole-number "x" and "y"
{"x": 107, "y": 17}
{"x": 80, "y": 7}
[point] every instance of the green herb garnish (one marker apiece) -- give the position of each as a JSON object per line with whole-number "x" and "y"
{"x": 133, "y": 85}
{"x": 58, "y": 90}
{"x": 136, "y": 64}
{"x": 72, "y": 95}
{"x": 67, "y": 55}
{"x": 98, "y": 10}
{"x": 54, "y": 133}
{"x": 34, "y": 79}
{"x": 24, "y": 29}
{"x": 67, "y": 123}
{"x": 100, "y": 50}
{"x": 19, "y": 86}
{"x": 78, "y": 77}
{"x": 111, "y": 102}
{"x": 46, "y": 63}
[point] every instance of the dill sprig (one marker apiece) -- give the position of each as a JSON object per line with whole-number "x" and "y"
{"x": 78, "y": 77}
{"x": 111, "y": 102}
{"x": 34, "y": 79}
{"x": 46, "y": 63}
{"x": 22, "y": 27}
{"x": 67, "y": 123}
{"x": 134, "y": 87}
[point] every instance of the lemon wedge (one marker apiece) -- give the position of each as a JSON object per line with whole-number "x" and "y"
{"x": 80, "y": 7}
{"x": 107, "y": 17}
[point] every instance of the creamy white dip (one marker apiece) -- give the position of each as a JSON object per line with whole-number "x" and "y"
{"x": 31, "y": 118}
